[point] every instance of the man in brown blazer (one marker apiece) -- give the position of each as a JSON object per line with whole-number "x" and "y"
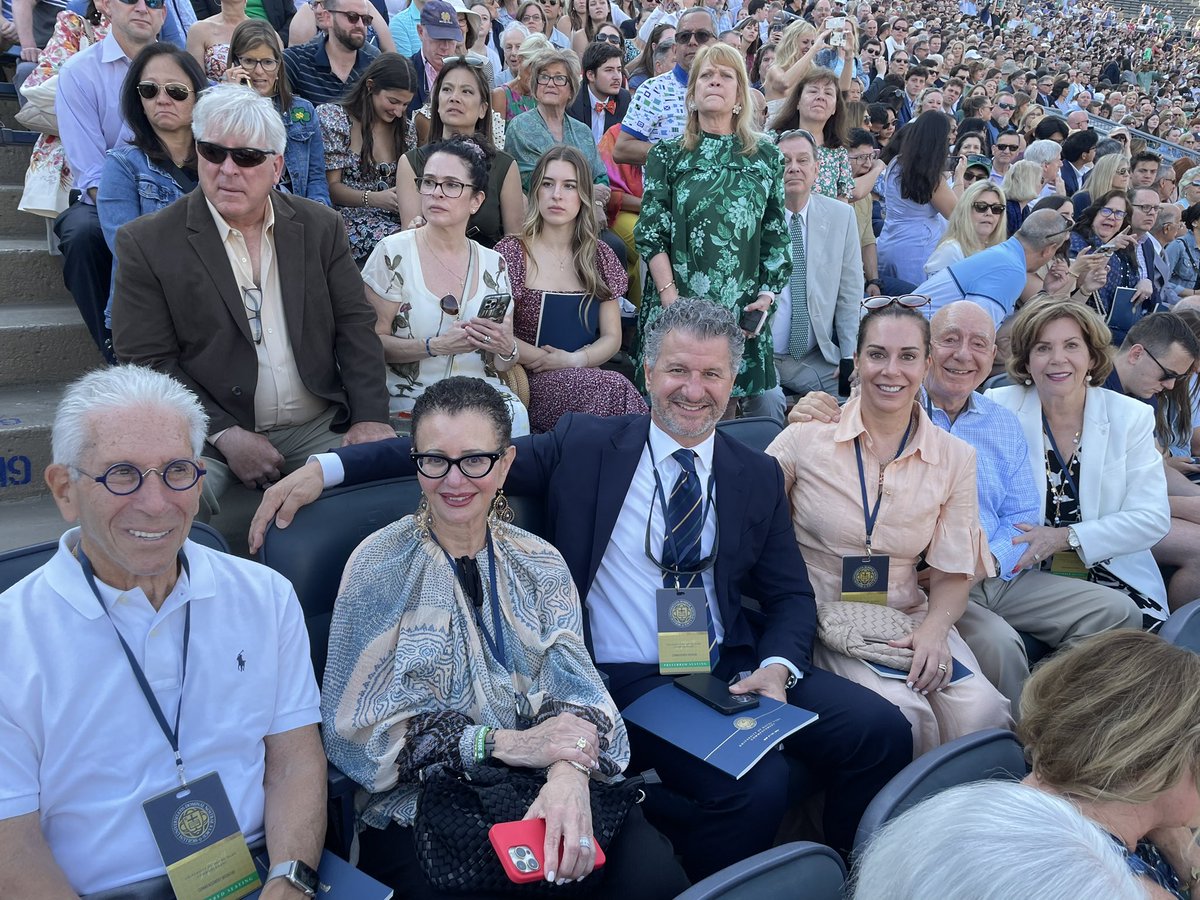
{"x": 250, "y": 297}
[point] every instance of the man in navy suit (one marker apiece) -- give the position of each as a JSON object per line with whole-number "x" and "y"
{"x": 598, "y": 477}
{"x": 602, "y": 100}
{"x": 439, "y": 33}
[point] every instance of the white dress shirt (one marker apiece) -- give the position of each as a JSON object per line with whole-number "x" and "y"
{"x": 621, "y": 605}
{"x": 597, "y": 117}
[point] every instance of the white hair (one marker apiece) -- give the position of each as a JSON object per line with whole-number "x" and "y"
{"x": 236, "y": 110}
{"x": 120, "y": 388}
{"x": 1044, "y": 151}
{"x": 994, "y": 840}
{"x": 513, "y": 27}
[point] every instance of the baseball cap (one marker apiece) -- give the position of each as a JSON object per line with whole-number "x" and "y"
{"x": 440, "y": 21}
{"x": 975, "y": 161}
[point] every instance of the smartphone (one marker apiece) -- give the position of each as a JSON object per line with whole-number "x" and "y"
{"x": 845, "y": 371}
{"x": 521, "y": 846}
{"x": 836, "y": 26}
{"x": 1108, "y": 249}
{"x": 494, "y": 306}
{"x": 752, "y": 322}
{"x": 713, "y": 692}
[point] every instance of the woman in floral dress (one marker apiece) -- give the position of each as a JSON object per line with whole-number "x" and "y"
{"x": 712, "y": 222}
{"x": 364, "y": 135}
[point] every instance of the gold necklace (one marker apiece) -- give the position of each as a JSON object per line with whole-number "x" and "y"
{"x": 441, "y": 262}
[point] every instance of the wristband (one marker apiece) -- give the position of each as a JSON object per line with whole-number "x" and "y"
{"x": 481, "y": 743}
{"x": 365, "y": 203}
{"x": 428, "y": 349}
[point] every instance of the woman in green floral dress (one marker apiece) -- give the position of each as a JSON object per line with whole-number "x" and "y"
{"x": 712, "y": 221}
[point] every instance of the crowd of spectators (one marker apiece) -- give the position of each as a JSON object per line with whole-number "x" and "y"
{"x": 950, "y": 249}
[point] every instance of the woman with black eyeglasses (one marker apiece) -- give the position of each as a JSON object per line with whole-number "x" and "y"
{"x": 364, "y": 135}
{"x": 1103, "y": 228}
{"x": 442, "y": 301}
{"x": 457, "y": 642}
{"x": 158, "y": 166}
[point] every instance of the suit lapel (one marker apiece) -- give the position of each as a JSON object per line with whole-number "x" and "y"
{"x": 289, "y": 262}
{"x": 618, "y": 461}
{"x": 206, "y": 242}
{"x": 731, "y": 510}
{"x": 1093, "y": 443}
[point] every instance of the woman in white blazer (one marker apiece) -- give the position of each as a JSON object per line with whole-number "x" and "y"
{"x": 1104, "y": 493}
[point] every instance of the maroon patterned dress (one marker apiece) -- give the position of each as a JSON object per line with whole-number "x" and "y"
{"x": 552, "y": 394}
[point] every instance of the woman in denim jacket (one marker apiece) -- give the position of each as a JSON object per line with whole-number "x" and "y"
{"x": 158, "y": 165}
{"x": 256, "y": 60}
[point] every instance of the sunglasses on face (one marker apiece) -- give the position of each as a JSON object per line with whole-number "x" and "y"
{"x": 1007, "y": 106}
{"x": 609, "y": 38}
{"x": 1007, "y": 148}
{"x": 976, "y": 176}
{"x": 148, "y": 90}
{"x": 702, "y": 36}
{"x": 243, "y": 157}
{"x": 908, "y": 301}
{"x": 150, "y": 4}
{"x": 1167, "y": 374}
{"x": 354, "y": 18}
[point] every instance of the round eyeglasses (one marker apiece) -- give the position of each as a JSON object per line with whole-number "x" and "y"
{"x": 473, "y": 465}
{"x": 124, "y": 478}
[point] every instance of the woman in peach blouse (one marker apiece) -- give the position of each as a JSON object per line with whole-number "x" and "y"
{"x": 928, "y": 510}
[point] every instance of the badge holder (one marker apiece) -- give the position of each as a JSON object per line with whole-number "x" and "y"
{"x": 201, "y": 842}
{"x": 865, "y": 579}
{"x": 682, "y": 631}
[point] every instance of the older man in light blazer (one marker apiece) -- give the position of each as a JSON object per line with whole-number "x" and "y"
{"x": 815, "y": 320}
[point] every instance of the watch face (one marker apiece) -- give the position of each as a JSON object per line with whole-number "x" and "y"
{"x": 306, "y": 876}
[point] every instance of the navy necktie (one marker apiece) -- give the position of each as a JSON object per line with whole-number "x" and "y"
{"x": 685, "y": 524}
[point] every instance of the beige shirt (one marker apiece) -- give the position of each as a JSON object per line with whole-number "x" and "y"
{"x": 929, "y": 504}
{"x": 280, "y": 398}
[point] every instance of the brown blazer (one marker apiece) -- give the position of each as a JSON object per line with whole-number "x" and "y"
{"x": 177, "y": 308}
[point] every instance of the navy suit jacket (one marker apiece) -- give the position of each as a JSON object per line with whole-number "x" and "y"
{"x": 1070, "y": 179}
{"x": 583, "y": 468}
{"x": 581, "y": 108}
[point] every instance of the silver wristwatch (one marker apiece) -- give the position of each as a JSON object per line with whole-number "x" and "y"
{"x": 299, "y": 874}
{"x": 1072, "y": 538}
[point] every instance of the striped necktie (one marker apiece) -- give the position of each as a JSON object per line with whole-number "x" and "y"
{"x": 685, "y": 524}
{"x": 798, "y": 287}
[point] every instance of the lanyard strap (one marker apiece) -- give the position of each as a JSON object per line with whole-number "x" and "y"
{"x": 495, "y": 644}
{"x": 871, "y": 514}
{"x": 704, "y": 564}
{"x": 1066, "y": 469}
{"x": 172, "y": 735}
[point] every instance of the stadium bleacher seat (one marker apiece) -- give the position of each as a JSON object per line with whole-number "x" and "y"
{"x": 800, "y": 869}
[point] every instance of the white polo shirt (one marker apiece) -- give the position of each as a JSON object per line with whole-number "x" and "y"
{"x": 78, "y": 742}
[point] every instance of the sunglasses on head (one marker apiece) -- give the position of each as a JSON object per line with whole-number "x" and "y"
{"x": 982, "y": 206}
{"x": 148, "y": 90}
{"x": 243, "y": 157}
{"x": 908, "y": 301}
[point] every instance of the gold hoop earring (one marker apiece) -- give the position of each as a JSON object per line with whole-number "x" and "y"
{"x": 500, "y": 513}
{"x": 422, "y": 518}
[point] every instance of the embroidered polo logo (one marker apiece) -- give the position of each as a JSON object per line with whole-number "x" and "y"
{"x": 241, "y": 661}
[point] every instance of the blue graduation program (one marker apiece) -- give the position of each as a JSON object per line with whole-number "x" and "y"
{"x": 733, "y": 743}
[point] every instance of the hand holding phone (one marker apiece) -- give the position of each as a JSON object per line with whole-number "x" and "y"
{"x": 712, "y": 691}
{"x": 521, "y": 848}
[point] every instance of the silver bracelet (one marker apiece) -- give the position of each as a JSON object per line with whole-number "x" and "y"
{"x": 512, "y": 357}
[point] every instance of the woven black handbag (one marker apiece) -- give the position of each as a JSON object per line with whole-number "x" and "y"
{"x": 455, "y": 811}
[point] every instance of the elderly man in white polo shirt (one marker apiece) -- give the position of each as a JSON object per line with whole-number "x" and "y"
{"x": 136, "y": 659}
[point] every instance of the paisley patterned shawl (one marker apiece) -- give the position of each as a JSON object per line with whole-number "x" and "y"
{"x": 410, "y": 678}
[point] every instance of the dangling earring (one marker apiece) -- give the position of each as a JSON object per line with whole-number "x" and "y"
{"x": 500, "y": 513}
{"x": 1088, "y": 378}
{"x": 737, "y": 109}
{"x": 422, "y": 518}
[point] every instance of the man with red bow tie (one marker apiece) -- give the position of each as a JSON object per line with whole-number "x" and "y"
{"x": 602, "y": 100}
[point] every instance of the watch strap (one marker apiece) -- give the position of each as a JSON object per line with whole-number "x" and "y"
{"x": 296, "y": 872}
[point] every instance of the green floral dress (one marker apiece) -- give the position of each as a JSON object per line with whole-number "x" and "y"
{"x": 718, "y": 215}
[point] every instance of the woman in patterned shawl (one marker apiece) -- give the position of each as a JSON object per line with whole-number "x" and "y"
{"x": 457, "y": 639}
{"x": 712, "y": 221}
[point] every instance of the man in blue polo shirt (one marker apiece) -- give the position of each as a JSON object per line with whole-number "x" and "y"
{"x": 995, "y": 277}
{"x": 321, "y": 70}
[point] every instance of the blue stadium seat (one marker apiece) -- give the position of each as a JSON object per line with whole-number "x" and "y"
{"x": 991, "y": 753}
{"x": 1182, "y": 627}
{"x": 800, "y": 869}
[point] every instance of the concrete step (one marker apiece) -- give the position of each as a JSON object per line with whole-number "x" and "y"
{"x": 44, "y": 343}
{"x": 14, "y": 160}
{"x": 29, "y": 521}
{"x": 26, "y": 414}
{"x": 29, "y": 274}
{"x": 14, "y": 223}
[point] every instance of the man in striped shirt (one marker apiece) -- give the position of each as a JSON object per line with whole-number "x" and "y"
{"x": 322, "y": 70}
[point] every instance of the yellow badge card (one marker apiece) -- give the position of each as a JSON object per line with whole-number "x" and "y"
{"x": 201, "y": 842}
{"x": 1068, "y": 564}
{"x": 682, "y": 631}
{"x": 865, "y": 579}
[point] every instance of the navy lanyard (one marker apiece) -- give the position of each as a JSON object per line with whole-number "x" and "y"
{"x": 869, "y": 513}
{"x": 172, "y": 736}
{"x": 1066, "y": 469}
{"x": 496, "y": 645}
{"x": 704, "y": 564}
